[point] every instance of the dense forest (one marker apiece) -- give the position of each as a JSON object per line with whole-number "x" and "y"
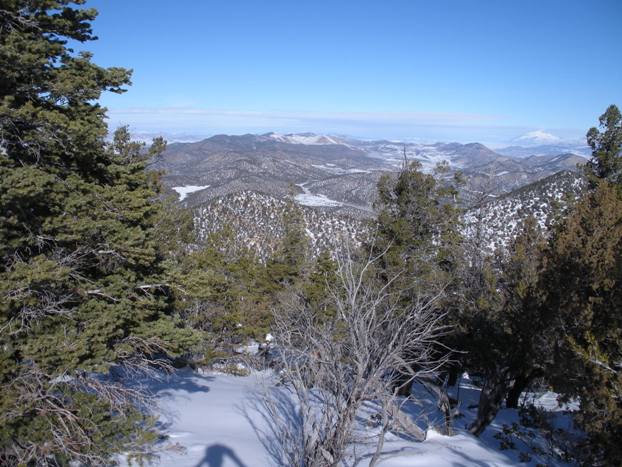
{"x": 102, "y": 283}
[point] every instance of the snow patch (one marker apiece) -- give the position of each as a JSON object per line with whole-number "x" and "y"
{"x": 304, "y": 138}
{"x": 308, "y": 199}
{"x": 184, "y": 191}
{"x": 332, "y": 168}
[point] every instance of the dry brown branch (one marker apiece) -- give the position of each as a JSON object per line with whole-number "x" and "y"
{"x": 334, "y": 364}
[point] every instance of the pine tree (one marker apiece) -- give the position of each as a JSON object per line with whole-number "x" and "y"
{"x": 229, "y": 297}
{"x": 583, "y": 285}
{"x": 287, "y": 263}
{"x": 606, "y": 144}
{"x": 81, "y": 275}
{"x": 315, "y": 289}
{"x": 418, "y": 239}
{"x": 505, "y": 330}
{"x": 418, "y": 226}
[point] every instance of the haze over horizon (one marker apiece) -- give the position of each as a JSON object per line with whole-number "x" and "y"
{"x": 399, "y": 70}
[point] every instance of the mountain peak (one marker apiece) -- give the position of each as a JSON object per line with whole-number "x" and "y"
{"x": 303, "y": 138}
{"x": 538, "y": 137}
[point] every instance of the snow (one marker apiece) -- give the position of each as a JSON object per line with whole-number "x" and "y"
{"x": 538, "y": 137}
{"x": 203, "y": 414}
{"x": 308, "y": 199}
{"x": 332, "y": 168}
{"x": 548, "y": 400}
{"x": 440, "y": 451}
{"x": 214, "y": 420}
{"x": 184, "y": 191}
{"x": 251, "y": 348}
{"x": 307, "y": 138}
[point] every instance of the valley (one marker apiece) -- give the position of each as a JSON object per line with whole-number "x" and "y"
{"x": 245, "y": 182}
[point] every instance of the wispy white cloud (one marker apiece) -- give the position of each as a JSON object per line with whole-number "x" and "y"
{"x": 190, "y": 118}
{"x": 424, "y": 126}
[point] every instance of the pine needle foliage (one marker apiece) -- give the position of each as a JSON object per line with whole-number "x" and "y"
{"x": 82, "y": 296}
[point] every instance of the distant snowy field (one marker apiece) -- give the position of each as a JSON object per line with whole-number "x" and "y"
{"x": 307, "y": 199}
{"x": 184, "y": 191}
{"x": 310, "y": 199}
{"x": 214, "y": 419}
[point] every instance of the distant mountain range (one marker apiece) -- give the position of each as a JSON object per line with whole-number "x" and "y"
{"x": 338, "y": 172}
{"x": 243, "y": 181}
{"x": 545, "y": 150}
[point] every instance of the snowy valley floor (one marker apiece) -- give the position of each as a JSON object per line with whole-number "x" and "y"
{"x": 213, "y": 419}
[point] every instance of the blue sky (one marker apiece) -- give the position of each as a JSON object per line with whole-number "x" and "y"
{"x": 461, "y": 70}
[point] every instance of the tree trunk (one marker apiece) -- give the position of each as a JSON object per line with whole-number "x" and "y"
{"x": 520, "y": 384}
{"x": 403, "y": 384}
{"x": 490, "y": 399}
{"x": 453, "y": 374}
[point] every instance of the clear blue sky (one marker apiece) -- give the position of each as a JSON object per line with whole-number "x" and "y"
{"x": 461, "y": 70}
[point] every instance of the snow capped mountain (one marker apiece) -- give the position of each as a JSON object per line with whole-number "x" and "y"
{"x": 342, "y": 170}
{"x": 537, "y": 137}
{"x": 541, "y": 143}
{"x": 304, "y": 138}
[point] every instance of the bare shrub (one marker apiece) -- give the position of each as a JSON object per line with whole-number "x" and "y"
{"x": 334, "y": 363}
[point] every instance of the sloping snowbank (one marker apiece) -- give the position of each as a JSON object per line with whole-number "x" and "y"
{"x": 184, "y": 191}
{"x": 213, "y": 418}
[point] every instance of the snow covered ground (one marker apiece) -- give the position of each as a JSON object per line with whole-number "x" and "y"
{"x": 216, "y": 421}
{"x": 307, "y": 199}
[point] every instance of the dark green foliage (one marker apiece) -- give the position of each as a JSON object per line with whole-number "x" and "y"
{"x": 504, "y": 329}
{"x": 322, "y": 275}
{"x": 606, "y": 144}
{"x": 81, "y": 274}
{"x": 584, "y": 291}
{"x": 227, "y": 296}
{"x": 418, "y": 226}
{"x": 554, "y": 311}
{"x": 583, "y": 286}
{"x": 418, "y": 236}
{"x": 286, "y": 265}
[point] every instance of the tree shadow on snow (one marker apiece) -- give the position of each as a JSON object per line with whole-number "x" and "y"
{"x": 470, "y": 461}
{"x": 270, "y": 417}
{"x": 216, "y": 454}
{"x": 183, "y": 380}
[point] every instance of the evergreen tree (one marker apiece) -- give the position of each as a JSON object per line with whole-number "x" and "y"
{"x": 81, "y": 271}
{"x": 418, "y": 226}
{"x": 583, "y": 285}
{"x": 505, "y": 331}
{"x": 419, "y": 240}
{"x": 584, "y": 290}
{"x": 286, "y": 265}
{"x": 229, "y": 297}
{"x": 315, "y": 289}
{"x": 606, "y": 144}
